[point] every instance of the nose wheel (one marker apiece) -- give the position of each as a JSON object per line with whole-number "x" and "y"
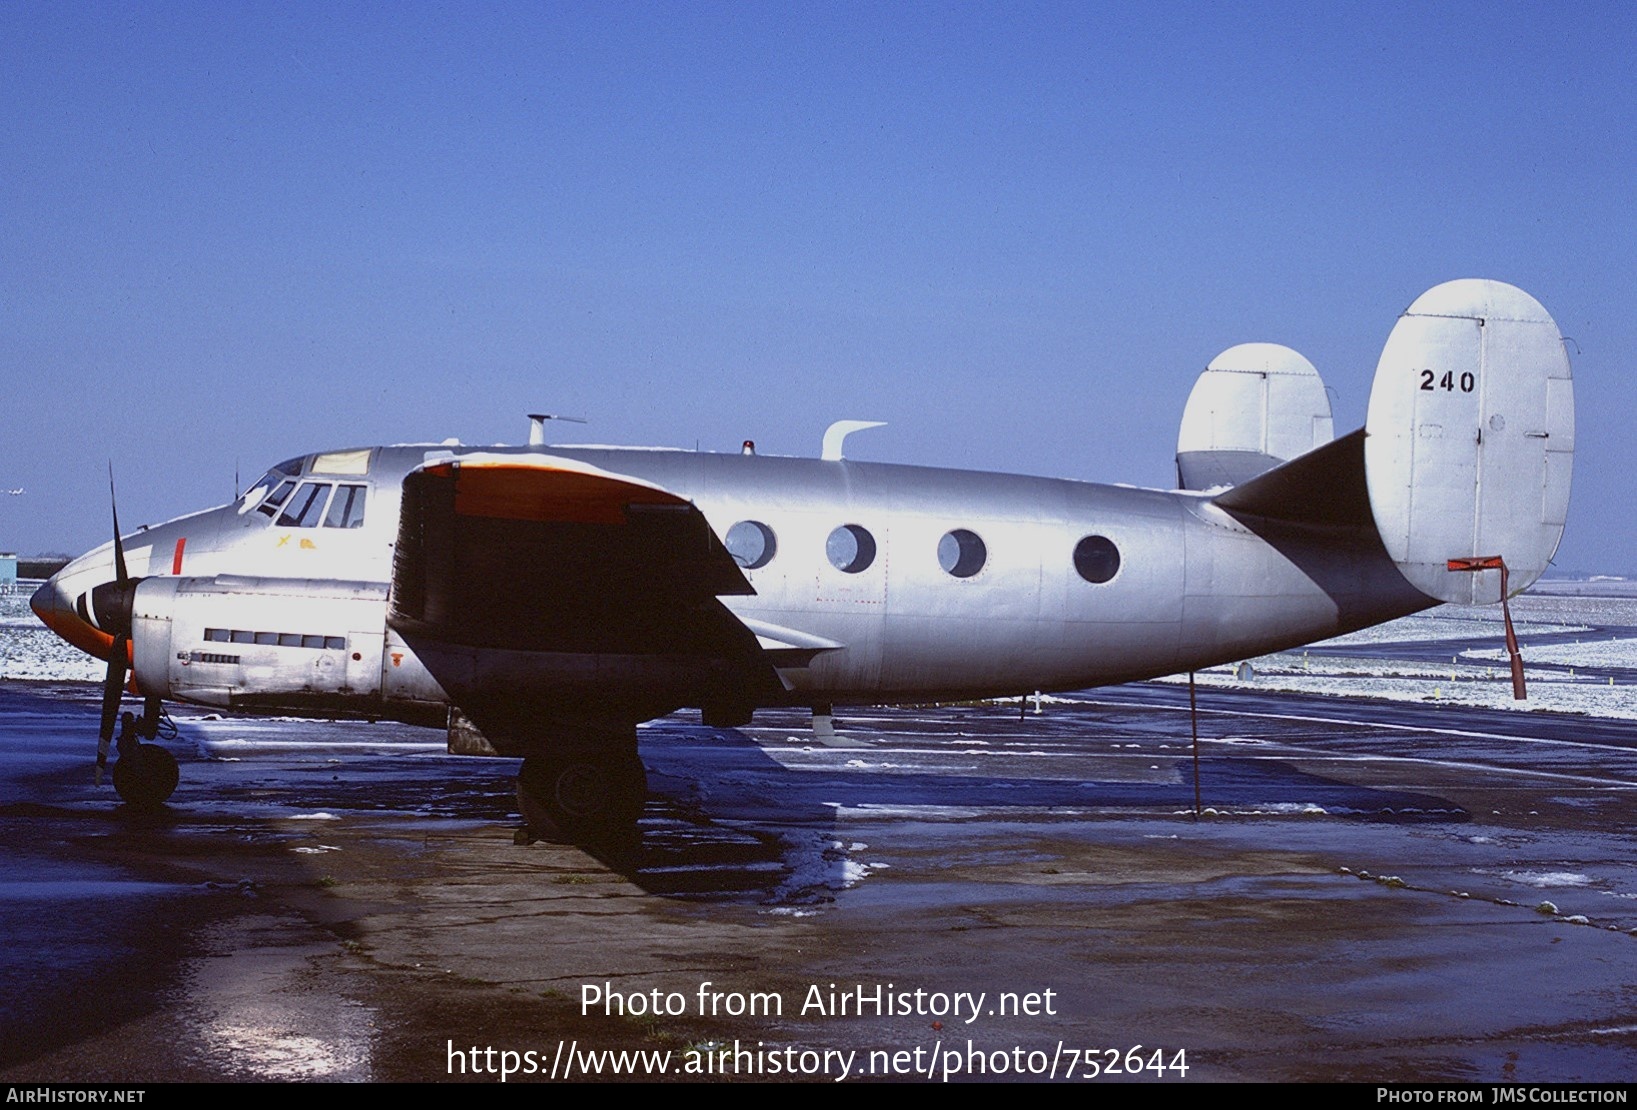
{"x": 145, "y": 775}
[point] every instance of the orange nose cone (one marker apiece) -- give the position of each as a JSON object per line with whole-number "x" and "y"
{"x": 56, "y": 612}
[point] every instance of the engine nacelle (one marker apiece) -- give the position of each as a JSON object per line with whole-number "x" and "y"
{"x": 237, "y": 641}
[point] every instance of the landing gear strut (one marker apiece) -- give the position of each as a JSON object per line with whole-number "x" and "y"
{"x": 583, "y": 797}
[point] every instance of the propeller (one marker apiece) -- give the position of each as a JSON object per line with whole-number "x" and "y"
{"x": 113, "y": 604}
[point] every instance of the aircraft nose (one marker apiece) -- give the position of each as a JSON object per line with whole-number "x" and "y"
{"x": 58, "y": 604}
{"x": 47, "y": 600}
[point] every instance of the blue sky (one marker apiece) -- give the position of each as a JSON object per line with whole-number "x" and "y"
{"x": 232, "y": 233}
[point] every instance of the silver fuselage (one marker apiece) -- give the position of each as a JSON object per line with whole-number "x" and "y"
{"x": 1195, "y": 586}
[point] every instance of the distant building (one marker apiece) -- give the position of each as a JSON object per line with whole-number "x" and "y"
{"x": 8, "y": 573}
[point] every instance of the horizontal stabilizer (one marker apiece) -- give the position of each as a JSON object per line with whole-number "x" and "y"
{"x": 1324, "y": 487}
{"x": 1255, "y": 406}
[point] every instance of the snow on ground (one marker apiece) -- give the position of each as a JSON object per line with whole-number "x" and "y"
{"x": 1598, "y": 585}
{"x": 1455, "y": 622}
{"x": 30, "y": 650}
{"x": 1532, "y": 615}
{"x": 1617, "y": 653}
{"x": 1573, "y": 610}
{"x": 1481, "y": 687}
{"x": 1474, "y": 676}
{"x": 38, "y": 655}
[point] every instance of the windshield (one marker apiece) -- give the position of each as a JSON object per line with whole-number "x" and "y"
{"x": 271, "y": 480}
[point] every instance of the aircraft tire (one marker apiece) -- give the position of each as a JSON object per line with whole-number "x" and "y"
{"x": 146, "y": 776}
{"x": 581, "y": 799}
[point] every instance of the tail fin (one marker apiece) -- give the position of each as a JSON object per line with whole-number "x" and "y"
{"x": 1255, "y": 406}
{"x": 1464, "y": 459}
{"x": 1470, "y": 439}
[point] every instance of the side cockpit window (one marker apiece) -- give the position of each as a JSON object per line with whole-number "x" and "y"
{"x": 346, "y": 508}
{"x": 306, "y": 508}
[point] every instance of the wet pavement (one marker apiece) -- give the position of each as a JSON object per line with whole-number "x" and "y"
{"x": 1374, "y": 892}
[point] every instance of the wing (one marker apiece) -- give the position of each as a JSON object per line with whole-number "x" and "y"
{"x": 545, "y": 581}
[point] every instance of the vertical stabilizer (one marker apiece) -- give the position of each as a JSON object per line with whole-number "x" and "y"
{"x": 1469, "y": 439}
{"x": 1255, "y": 406}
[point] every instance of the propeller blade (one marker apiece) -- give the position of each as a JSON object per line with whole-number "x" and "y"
{"x": 119, "y": 544}
{"x": 113, "y": 688}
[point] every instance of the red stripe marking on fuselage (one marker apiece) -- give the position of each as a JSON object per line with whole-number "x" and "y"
{"x": 176, "y": 559}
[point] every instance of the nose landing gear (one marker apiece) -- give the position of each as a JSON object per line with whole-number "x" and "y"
{"x": 145, "y": 774}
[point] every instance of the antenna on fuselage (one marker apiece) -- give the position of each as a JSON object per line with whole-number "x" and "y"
{"x": 836, "y": 434}
{"x": 537, "y": 425}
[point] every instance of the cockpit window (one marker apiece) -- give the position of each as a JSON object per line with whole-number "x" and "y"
{"x": 282, "y": 496}
{"x": 278, "y": 477}
{"x": 346, "y": 508}
{"x": 278, "y": 497}
{"x": 306, "y": 508}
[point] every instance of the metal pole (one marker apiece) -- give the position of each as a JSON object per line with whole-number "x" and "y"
{"x": 1193, "y": 716}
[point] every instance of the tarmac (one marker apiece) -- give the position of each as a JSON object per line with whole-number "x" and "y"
{"x": 1372, "y": 892}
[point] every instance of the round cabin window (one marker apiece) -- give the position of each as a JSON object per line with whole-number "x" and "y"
{"x": 850, "y": 548}
{"x": 961, "y": 553}
{"x": 1097, "y": 559}
{"x": 751, "y": 543}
